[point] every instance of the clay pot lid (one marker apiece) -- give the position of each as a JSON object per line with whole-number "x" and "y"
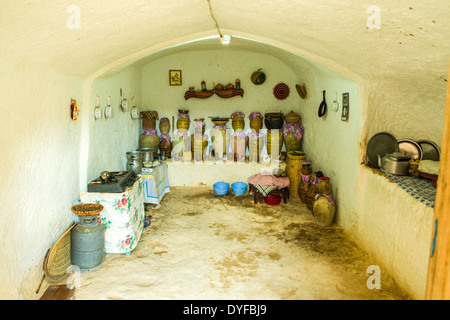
{"x": 292, "y": 117}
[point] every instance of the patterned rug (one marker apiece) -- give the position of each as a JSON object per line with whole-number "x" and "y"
{"x": 419, "y": 188}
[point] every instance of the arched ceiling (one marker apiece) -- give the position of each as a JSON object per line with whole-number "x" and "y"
{"x": 413, "y": 39}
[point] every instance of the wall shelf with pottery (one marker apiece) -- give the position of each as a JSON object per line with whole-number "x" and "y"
{"x": 220, "y": 90}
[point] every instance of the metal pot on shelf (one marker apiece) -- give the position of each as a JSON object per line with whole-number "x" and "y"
{"x": 134, "y": 161}
{"x": 394, "y": 163}
{"x": 147, "y": 154}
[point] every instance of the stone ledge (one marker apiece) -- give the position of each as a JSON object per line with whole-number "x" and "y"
{"x": 192, "y": 173}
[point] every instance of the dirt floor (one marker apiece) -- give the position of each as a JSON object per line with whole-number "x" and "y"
{"x": 202, "y": 246}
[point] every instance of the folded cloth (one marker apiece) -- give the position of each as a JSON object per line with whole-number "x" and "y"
{"x": 265, "y": 190}
{"x": 269, "y": 180}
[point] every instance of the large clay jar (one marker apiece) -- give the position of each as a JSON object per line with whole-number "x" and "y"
{"x": 219, "y": 141}
{"x": 199, "y": 126}
{"x": 178, "y": 146}
{"x": 240, "y": 142}
{"x": 311, "y": 192}
{"x": 164, "y": 126}
{"x": 237, "y": 121}
{"x": 303, "y": 187}
{"x": 165, "y": 144}
{"x": 255, "y": 146}
{"x": 271, "y": 139}
{"x": 274, "y": 121}
{"x": 255, "y": 121}
{"x": 324, "y": 186}
{"x": 324, "y": 210}
{"x": 292, "y": 133}
{"x": 149, "y": 139}
{"x": 323, "y": 206}
{"x": 306, "y": 168}
{"x": 305, "y": 173}
{"x": 183, "y": 121}
{"x": 199, "y": 143}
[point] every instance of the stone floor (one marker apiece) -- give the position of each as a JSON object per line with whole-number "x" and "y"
{"x": 202, "y": 246}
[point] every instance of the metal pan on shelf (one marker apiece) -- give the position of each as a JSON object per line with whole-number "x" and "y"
{"x": 381, "y": 143}
{"x": 430, "y": 150}
{"x": 410, "y": 148}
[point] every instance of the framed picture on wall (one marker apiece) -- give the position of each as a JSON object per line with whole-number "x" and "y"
{"x": 175, "y": 77}
{"x": 345, "y": 107}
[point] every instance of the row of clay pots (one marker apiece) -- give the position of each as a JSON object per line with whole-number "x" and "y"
{"x": 271, "y": 121}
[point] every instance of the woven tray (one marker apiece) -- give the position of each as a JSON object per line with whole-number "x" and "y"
{"x": 87, "y": 209}
{"x": 58, "y": 259}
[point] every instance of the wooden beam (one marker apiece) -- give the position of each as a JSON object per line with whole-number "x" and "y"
{"x": 438, "y": 279}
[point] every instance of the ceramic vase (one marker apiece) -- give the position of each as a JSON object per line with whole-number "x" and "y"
{"x": 183, "y": 122}
{"x": 164, "y": 126}
{"x": 237, "y": 121}
{"x": 166, "y": 146}
{"x": 270, "y": 140}
{"x": 255, "y": 146}
{"x": 323, "y": 206}
{"x": 199, "y": 145}
{"x": 219, "y": 141}
{"x": 274, "y": 121}
{"x": 149, "y": 139}
{"x": 292, "y": 143}
{"x": 240, "y": 143}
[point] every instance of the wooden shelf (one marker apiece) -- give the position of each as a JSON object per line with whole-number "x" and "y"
{"x": 206, "y": 94}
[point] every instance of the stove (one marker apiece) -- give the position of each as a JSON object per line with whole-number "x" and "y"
{"x": 116, "y": 182}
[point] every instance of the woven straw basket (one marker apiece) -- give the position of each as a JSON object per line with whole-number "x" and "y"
{"x": 293, "y": 171}
{"x": 87, "y": 209}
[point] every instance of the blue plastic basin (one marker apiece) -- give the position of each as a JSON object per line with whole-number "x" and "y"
{"x": 221, "y": 188}
{"x": 239, "y": 188}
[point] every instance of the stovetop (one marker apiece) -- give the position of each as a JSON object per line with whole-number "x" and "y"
{"x": 119, "y": 182}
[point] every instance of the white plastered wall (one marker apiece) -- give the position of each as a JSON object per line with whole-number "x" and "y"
{"x": 39, "y": 169}
{"x": 111, "y": 138}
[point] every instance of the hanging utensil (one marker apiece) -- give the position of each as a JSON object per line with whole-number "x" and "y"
{"x": 323, "y": 106}
{"x": 134, "y": 111}
{"x": 335, "y": 103}
{"x": 123, "y": 101}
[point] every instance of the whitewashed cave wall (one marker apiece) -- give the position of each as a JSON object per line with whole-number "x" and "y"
{"x": 39, "y": 168}
{"x": 111, "y": 138}
{"x": 214, "y": 67}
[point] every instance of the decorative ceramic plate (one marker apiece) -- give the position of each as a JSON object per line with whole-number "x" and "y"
{"x": 381, "y": 143}
{"x": 281, "y": 91}
{"x": 430, "y": 150}
{"x": 410, "y": 148}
